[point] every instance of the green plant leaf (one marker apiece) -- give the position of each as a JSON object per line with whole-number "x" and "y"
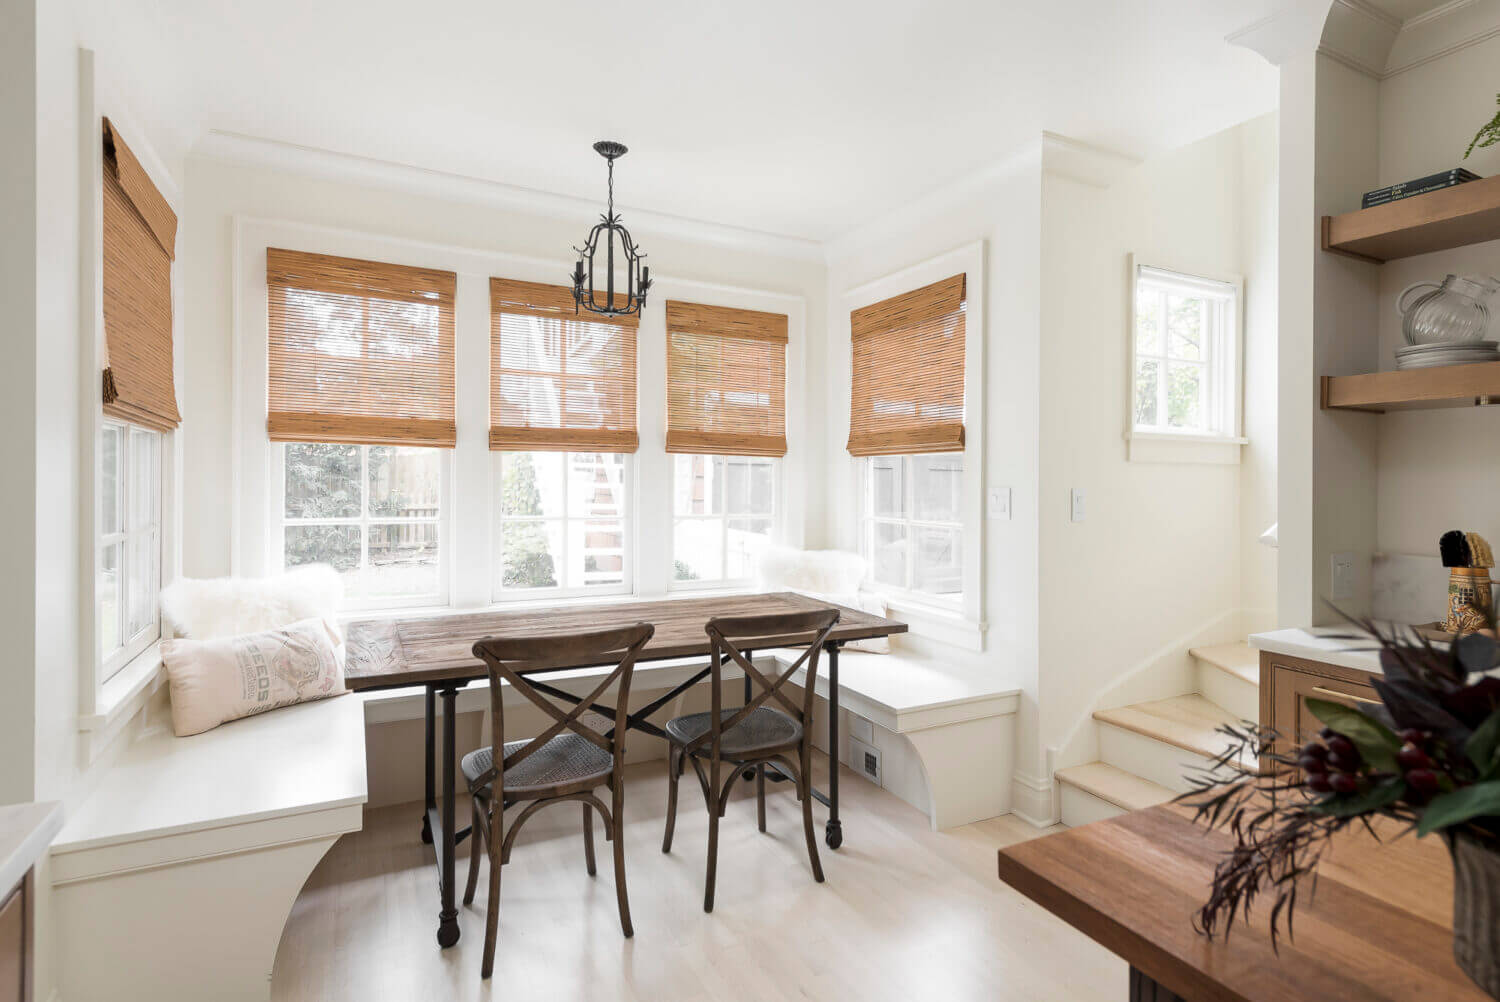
{"x": 1381, "y": 794}
{"x": 1481, "y": 800}
{"x": 1375, "y": 741}
{"x": 1483, "y": 745}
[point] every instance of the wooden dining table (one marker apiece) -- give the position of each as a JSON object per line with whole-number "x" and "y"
{"x": 1378, "y": 927}
{"x": 436, "y": 653}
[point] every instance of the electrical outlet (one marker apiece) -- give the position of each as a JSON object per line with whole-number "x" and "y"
{"x": 1077, "y": 504}
{"x": 999, "y": 503}
{"x": 1341, "y": 572}
{"x": 865, "y": 759}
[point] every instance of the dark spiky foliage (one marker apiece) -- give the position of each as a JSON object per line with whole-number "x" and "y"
{"x": 1427, "y": 758}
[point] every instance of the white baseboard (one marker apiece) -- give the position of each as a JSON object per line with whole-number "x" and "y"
{"x": 1032, "y": 800}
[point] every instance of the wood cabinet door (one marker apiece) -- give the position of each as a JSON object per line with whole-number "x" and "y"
{"x": 15, "y": 945}
{"x": 1293, "y": 685}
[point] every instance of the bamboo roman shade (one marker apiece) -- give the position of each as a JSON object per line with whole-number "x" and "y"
{"x": 140, "y": 234}
{"x": 908, "y": 372}
{"x": 559, "y": 381}
{"x": 726, "y": 380}
{"x": 359, "y": 351}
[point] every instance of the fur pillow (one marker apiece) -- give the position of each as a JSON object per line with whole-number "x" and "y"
{"x": 827, "y": 572}
{"x": 215, "y": 681}
{"x": 205, "y": 608}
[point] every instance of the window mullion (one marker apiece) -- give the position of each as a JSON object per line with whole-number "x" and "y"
{"x": 1163, "y": 419}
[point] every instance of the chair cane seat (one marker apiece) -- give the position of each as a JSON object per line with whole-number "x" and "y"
{"x": 764, "y": 728}
{"x": 562, "y": 761}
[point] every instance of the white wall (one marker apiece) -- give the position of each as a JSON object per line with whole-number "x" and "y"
{"x": 1001, "y": 206}
{"x": 1165, "y": 552}
{"x": 1435, "y": 471}
{"x": 218, "y": 191}
{"x": 1160, "y": 560}
{"x": 18, "y": 393}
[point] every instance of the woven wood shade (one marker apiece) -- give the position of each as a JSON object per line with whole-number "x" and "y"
{"x": 140, "y": 233}
{"x": 908, "y": 379}
{"x": 559, "y": 380}
{"x": 726, "y": 380}
{"x": 360, "y": 352}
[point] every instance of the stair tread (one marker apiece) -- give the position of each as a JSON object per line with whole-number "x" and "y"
{"x": 1240, "y": 660}
{"x": 1116, "y": 786}
{"x": 1189, "y": 722}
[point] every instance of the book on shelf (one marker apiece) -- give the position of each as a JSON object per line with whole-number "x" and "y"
{"x": 1417, "y": 186}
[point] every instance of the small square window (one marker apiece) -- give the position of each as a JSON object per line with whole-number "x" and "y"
{"x": 1184, "y": 355}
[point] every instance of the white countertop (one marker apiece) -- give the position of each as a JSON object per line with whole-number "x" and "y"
{"x": 1346, "y": 646}
{"x": 25, "y": 832}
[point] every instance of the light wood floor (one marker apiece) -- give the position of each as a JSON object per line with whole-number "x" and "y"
{"x": 906, "y": 914}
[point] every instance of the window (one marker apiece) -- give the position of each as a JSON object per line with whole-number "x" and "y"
{"x": 724, "y": 513}
{"x": 130, "y": 542}
{"x": 1185, "y": 355}
{"x": 562, "y": 524}
{"x": 374, "y": 512}
{"x": 912, "y": 525}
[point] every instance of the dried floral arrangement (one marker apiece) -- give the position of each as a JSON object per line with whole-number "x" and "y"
{"x": 1428, "y": 757}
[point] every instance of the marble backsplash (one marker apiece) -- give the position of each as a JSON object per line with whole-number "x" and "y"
{"x": 1407, "y": 588}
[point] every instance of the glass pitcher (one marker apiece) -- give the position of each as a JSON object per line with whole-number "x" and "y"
{"x": 1451, "y": 311}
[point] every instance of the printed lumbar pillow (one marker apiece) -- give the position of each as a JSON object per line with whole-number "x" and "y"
{"x": 215, "y": 681}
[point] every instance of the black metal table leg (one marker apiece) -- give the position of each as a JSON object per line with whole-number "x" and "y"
{"x": 441, "y": 826}
{"x": 834, "y": 834}
{"x": 429, "y": 800}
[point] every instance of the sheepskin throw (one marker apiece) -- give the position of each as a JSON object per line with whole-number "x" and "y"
{"x": 206, "y": 608}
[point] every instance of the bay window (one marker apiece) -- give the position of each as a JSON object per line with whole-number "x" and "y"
{"x": 563, "y": 524}
{"x": 724, "y": 514}
{"x": 130, "y": 542}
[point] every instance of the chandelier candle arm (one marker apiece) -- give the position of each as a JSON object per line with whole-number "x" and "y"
{"x": 637, "y": 275}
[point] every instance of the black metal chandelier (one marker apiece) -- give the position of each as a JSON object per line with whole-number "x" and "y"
{"x": 608, "y": 230}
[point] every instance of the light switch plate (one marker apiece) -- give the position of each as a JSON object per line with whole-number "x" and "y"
{"x": 1077, "y": 502}
{"x": 1341, "y": 573}
{"x": 999, "y": 502}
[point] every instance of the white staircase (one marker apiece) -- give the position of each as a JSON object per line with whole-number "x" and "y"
{"x": 1147, "y": 749}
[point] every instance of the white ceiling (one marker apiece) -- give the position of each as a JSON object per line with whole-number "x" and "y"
{"x": 795, "y": 118}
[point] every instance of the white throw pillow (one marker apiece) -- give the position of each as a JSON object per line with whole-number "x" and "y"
{"x": 215, "y": 681}
{"x": 205, "y": 608}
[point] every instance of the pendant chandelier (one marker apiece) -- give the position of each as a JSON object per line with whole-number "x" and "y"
{"x": 608, "y": 231}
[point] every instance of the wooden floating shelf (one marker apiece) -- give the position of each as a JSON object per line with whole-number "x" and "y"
{"x": 1415, "y": 389}
{"x": 1464, "y": 214}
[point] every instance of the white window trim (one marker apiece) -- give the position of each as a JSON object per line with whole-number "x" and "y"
{"x": 1160, "y": 445}
{"x": 105, "y": 704}
{"x": 472, "y": 520}
{"x": 507, "y": 596}
{"x": 132, "y": 647}
{"x": 277, "y": 520}
{"x": 778, "y": 524}
{"x": 960, "y": 623}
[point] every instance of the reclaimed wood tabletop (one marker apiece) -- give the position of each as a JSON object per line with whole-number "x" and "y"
{"x": 420, "y": 650}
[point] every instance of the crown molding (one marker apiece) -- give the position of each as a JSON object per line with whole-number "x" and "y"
{"x": 937, "y": 202}
{"x": 1285, "y": 33}
{"x": 1359, "y": 36}
{"x": 1442, "y": 32}
{"x": 1083, "y": 162}
{"x": 241, "y": 150}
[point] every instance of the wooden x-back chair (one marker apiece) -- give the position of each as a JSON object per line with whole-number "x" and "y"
{"x": 755, "y": 736}
{"x": 567, "y": 761}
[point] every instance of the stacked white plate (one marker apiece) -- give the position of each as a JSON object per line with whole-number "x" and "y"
{"x": 1424, "y": 356}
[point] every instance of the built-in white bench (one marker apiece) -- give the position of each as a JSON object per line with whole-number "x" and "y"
{"x": 946, "y": 732}
{"x": 174, "y": 879}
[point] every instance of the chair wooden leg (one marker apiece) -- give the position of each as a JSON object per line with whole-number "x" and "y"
{"x": 713, "y": 839}
{"x": 674, "y": 772}
{"x": 476, "y": 836}
{"x": 492, "y": 909}
{"x": 617, "y": 825}
{"x": 588, "y": 837}
{"x": 804, "y": 786}
{"x": 760, "y": 795}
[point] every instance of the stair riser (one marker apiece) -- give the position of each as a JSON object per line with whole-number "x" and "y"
{"x": 1230, "y": 691}
{"x": 1147, "y": 757}
{"x": 1079, "y": 807}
